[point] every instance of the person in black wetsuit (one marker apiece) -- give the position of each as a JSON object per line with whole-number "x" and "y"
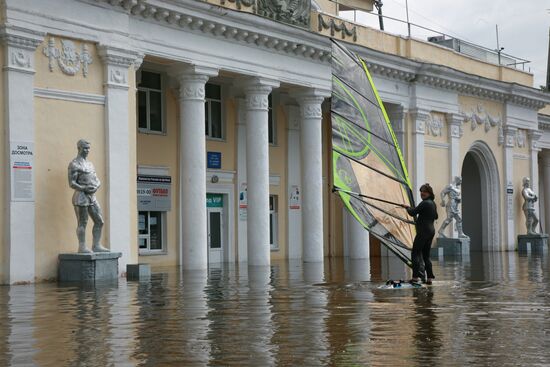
{"x": 426, "y": 214}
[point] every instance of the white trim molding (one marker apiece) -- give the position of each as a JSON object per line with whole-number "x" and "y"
{"x": 66, "y": 95}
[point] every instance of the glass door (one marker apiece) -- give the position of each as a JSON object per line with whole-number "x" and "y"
{"x": 215, "y": 235}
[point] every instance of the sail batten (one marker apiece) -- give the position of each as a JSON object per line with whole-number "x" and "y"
{"x": 369, "y": 173}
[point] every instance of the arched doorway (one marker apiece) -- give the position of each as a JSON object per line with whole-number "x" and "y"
{"x": 480, "y": 198}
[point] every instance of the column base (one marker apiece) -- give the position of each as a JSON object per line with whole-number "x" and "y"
{"x": 138, "y": 271}
{"x": 533, "y": 243}
{"x": 453, "y": 246}
{"x": 97, "y": 266}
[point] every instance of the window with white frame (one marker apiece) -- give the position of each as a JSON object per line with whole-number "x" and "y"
{"x": 151, "y": 232}
{"x": 272, "y": 124}
{"x": 273, "y": 223}
{"x": 213, "y": 111}
{"x": 150, "y": 102}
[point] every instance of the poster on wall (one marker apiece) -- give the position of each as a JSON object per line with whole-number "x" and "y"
{"x": 154, "y": 193}
{"x": 22, "y": 171}
{"x": 510, "y": 199}
{"x": 294, "y": 197}
{"x": 243, "y": 201}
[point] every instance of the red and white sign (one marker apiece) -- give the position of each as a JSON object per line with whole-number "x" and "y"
{"x": 22, "y": 172}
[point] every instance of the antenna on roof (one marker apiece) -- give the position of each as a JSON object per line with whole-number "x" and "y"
{"x": 499, "y": 49}
{"x": 548, "y": 67}
{"x": 378, "y": 4}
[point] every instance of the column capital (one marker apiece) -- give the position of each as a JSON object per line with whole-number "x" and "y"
{"x": 396, "y": 114}
{"x": 21, "y": 38}
{"x": 310, "y": 101}
{"x": 259, "y": 85}
{"x": 257, "y": 90}
{"x": 116, "y": 56}
{"x": 20, "y": 46}
{"x": 534, "y": 137}
{"x": 192, "y": 80}
{"x": 455, "y": 122}
{"x": 117, "y": 61}
{"x": 419, "y": 117}
{"x": 510, "y": 136}
{"x": 190, "y": 72}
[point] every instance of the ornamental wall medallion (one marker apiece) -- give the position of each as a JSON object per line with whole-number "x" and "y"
{"x": 295, "y": 12}
{"x": 68, "y": 59}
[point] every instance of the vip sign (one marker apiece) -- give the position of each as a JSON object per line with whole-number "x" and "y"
{"x": 154, "y": 193}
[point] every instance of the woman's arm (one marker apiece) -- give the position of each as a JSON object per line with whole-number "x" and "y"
{"x": 417, "y": 210}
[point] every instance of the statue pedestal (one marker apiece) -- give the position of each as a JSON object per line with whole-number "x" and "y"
{"x": 534, "y": 243}
{"x": 454, "y": 246}
{"x": 76, "y": 267}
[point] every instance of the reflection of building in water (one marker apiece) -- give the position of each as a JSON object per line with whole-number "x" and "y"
{"x": 183, "y": 127}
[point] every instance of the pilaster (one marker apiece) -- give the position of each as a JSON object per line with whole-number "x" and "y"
{"x": 418, "y": 120}
{"x": 455, "y": 130}
{"x": 545, "y": 162}
{"x": 241, "y": 181}
{"x": 120, "y": 166}
{"x": 294, "y": 181}
{"x": 397, "y": 115}
{"x": 510, "y": 190}
{"x": 19, "y": 250}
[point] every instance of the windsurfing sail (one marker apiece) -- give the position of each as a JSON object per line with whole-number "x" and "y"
{"x": 369, "y": 173}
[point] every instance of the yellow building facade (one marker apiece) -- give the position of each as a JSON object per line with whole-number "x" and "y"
{"x": 210, "y": 131}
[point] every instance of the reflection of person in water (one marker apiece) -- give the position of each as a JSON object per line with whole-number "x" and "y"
{"x": 427, "y": 338}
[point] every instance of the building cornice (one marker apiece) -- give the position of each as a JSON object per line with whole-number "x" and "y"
{"x": 443, "y": 77}
{"x": 244, "y": 28}
{"x": 544, "y": 122}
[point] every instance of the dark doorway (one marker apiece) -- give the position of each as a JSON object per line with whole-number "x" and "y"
{"x": 472, "y": 203}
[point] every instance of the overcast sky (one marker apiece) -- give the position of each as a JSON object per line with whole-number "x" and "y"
{"x": 523, "y": 25}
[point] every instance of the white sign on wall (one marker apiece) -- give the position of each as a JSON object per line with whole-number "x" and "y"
{"x": 243, "y": 201}
{"x": 22, "y": 171}
{"x": 294, "y": 198}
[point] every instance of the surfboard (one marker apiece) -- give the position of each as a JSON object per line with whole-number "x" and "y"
{"x": 401, "y": 284}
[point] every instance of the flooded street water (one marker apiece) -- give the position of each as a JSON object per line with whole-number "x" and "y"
{"x": 491, "y": 309}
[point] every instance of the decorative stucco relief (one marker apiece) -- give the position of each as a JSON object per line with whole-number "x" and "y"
{"x": 295, "y": 12}
{"x": 521, "y": 139}
{"x": 478, "y": 116}
{"x": 434, "y": 125}
{"x": 337, "y": 25}
{"x": 69, "y": 60}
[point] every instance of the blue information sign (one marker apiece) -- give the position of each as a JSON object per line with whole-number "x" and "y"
{"x": 214, "y": 160}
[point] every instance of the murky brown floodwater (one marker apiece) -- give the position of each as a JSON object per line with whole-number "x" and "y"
{"x": 492, "y": 309}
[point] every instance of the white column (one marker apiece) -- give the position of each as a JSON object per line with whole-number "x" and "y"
{"x": 418, "y": 118}
{"x": 534, "y": 136}
{"x": 454, "y": 122}
{"x": 455, "y": 133}
{"x": 358, "y": 241}
{"x": 396, "y": 114}
{"x": 257, "y": 169}
{"x": 509, "y": 141}
{"x": 19, "y": 129}
{"x": 241, "y": 180}
{"x": 294, "y": 179}
{"x": 120, "y": 172}
{"x": 545, "y": 162}
{"x": 193, "y": 236}
{"x": 312, "y": 174}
